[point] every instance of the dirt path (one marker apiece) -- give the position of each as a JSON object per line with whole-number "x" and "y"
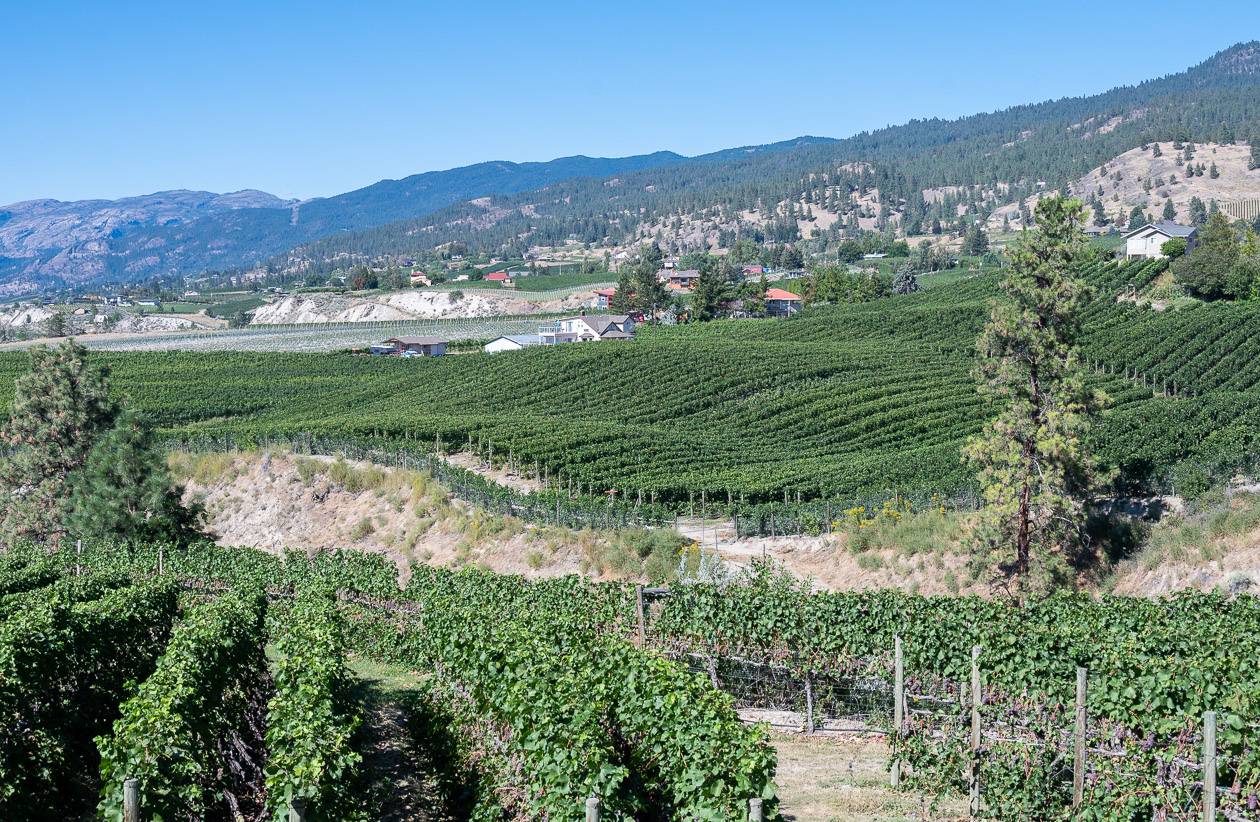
{"x": 409, "y": 772}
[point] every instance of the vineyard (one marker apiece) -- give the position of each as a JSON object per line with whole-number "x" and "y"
{"x": 213, "y": 683}
{"x": 320, "y": 337}
{"x": 580, "y": 691}
{"x": 780, "y": 422}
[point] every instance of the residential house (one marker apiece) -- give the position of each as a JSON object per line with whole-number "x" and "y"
{"x": 595, "y": 328}
{"x": 1146, "y": 243}
{"x": 410, "y": 347}
{"x": 604, "y": 296}
{"x": 678, "y": 280}
{"x": 498, "y": 277}
{"x": 669, "y": 262}
{"x": 511, "y": 342}
{"x": 754, "y": 270}
{"x": 781, "y": 303}
{"x": 419, "y": 278}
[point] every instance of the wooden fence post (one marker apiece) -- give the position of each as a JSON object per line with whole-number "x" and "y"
{"x": 809, "y": 704}
{"x": 1078, "y": 740}
{"x": 638, "y": 607}
{"x": 975, "y": 731}
{"x": 1209, "y": 766}
{"x": 78, "y": 557}
{"x": 297, "y": 809}
{"x": 756, "y": 812}
{"x": 131, "y": 800}
{"x": 593, "y": 809}
{"x": 899, "y": 705}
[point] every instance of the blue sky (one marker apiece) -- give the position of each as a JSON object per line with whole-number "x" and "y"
{"x": 313, "y": 98}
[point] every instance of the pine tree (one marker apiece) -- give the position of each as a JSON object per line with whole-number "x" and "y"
{"x": 1255, "y": 154}
{"x": 1136, "y": 218}
{"x": 1031, "y": 462}
{"x": 124, "y": 490}
{"x": 59, "y": 408}
{"x": 1170, "y": 211}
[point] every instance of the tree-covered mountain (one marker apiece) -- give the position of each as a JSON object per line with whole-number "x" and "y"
{"x": 910, "y": 178}
{"x": 48, "y": 242}
{"x": 905, "y": 176}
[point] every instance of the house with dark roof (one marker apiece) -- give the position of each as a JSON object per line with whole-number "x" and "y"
{"x": 1146, "y": 243}
{"x": 595, "y": 328}
{"x": 410, "y": 347}
{"x": 678, "y": 280}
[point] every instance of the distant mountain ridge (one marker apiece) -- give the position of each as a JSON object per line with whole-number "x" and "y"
{"x": 49, "y": 242}
{"x": 983, "y": 160}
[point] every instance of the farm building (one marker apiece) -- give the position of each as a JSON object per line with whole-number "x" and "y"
{"x": 588, "y": 329}
{"x": 410, "y": 347}
{"x": 511, "y": 342}
{"x": 781, "y": 303}
{"x": 1147, "y": 242}
{"x": 497, "y": 277}
{"x": 603, "y": 297}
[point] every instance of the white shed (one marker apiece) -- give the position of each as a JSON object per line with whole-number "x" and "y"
{"x": 511, "y": 342}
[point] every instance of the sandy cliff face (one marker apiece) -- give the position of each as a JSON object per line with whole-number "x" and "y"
{"x": 407, "y": 305}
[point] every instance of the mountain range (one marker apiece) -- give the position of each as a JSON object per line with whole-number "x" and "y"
{"x": 897, "y": 177}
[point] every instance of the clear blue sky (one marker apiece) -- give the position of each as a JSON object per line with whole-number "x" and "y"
{"x": 107, "y": 99}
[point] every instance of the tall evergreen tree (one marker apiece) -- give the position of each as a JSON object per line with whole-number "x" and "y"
{"x": 59, "y": 408}
{"x": 1031, "y": 462}
{"x": 124, "y": 490}
{"x": 1170, "y": 211}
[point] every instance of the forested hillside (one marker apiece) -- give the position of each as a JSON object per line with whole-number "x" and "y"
{"x": 902, "y": 177}
{"x": 909, "y": 178}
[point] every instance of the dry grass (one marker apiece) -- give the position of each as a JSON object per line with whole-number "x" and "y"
{"x": 846, "y": 779}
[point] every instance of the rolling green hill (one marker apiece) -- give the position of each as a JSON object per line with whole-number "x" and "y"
{"x": 839, "y": 403}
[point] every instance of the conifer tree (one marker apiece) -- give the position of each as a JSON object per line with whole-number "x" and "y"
{"x": 124, "y": 490}
{"x": 59, "y": 408}
{"x": 1034, "y": 472}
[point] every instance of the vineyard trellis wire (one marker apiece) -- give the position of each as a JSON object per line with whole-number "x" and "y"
{"x": 1016, "y": 752}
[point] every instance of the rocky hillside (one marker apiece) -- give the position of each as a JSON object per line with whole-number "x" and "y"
{"x": 408, "y": 305}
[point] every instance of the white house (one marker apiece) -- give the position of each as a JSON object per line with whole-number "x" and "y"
{"x": 1146, "y": 243}
{"x": 596, "y": 328}
{"x": 511, "y": 342}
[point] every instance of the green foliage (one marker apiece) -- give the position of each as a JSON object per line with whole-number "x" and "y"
{"x": 1174, "y": 248}
{"x": 59, "y": 408}
{"x": 172, "y": 732}
{"x": 1209, "y": 271}
{"x": 124, "y": 490}
{"x": 1033, "y": 470}
{"x": 311, "y": 718}
{"x": 68, "y": 654}
{"x": 838, "y": 285}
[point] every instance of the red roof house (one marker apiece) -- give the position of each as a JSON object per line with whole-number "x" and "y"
{"x": 780, "y": 303}
{"x": 603, "y": 297}
{"x": 497, "y": 277}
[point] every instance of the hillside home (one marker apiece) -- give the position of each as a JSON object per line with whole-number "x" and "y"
{"x": 781, "y": 303}
{"x": 419, "y": 278}
{"x": 678, "y": 280}
{"x": 497, "y": 277}
{"x": 754, "y": 270}
{"x": 598, "y": 328}
{"x": 1146, "y": 243}
{"x": 604, "y": 296}
{"x": 511, "y": 342}
{"x": 410, "y": 347}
